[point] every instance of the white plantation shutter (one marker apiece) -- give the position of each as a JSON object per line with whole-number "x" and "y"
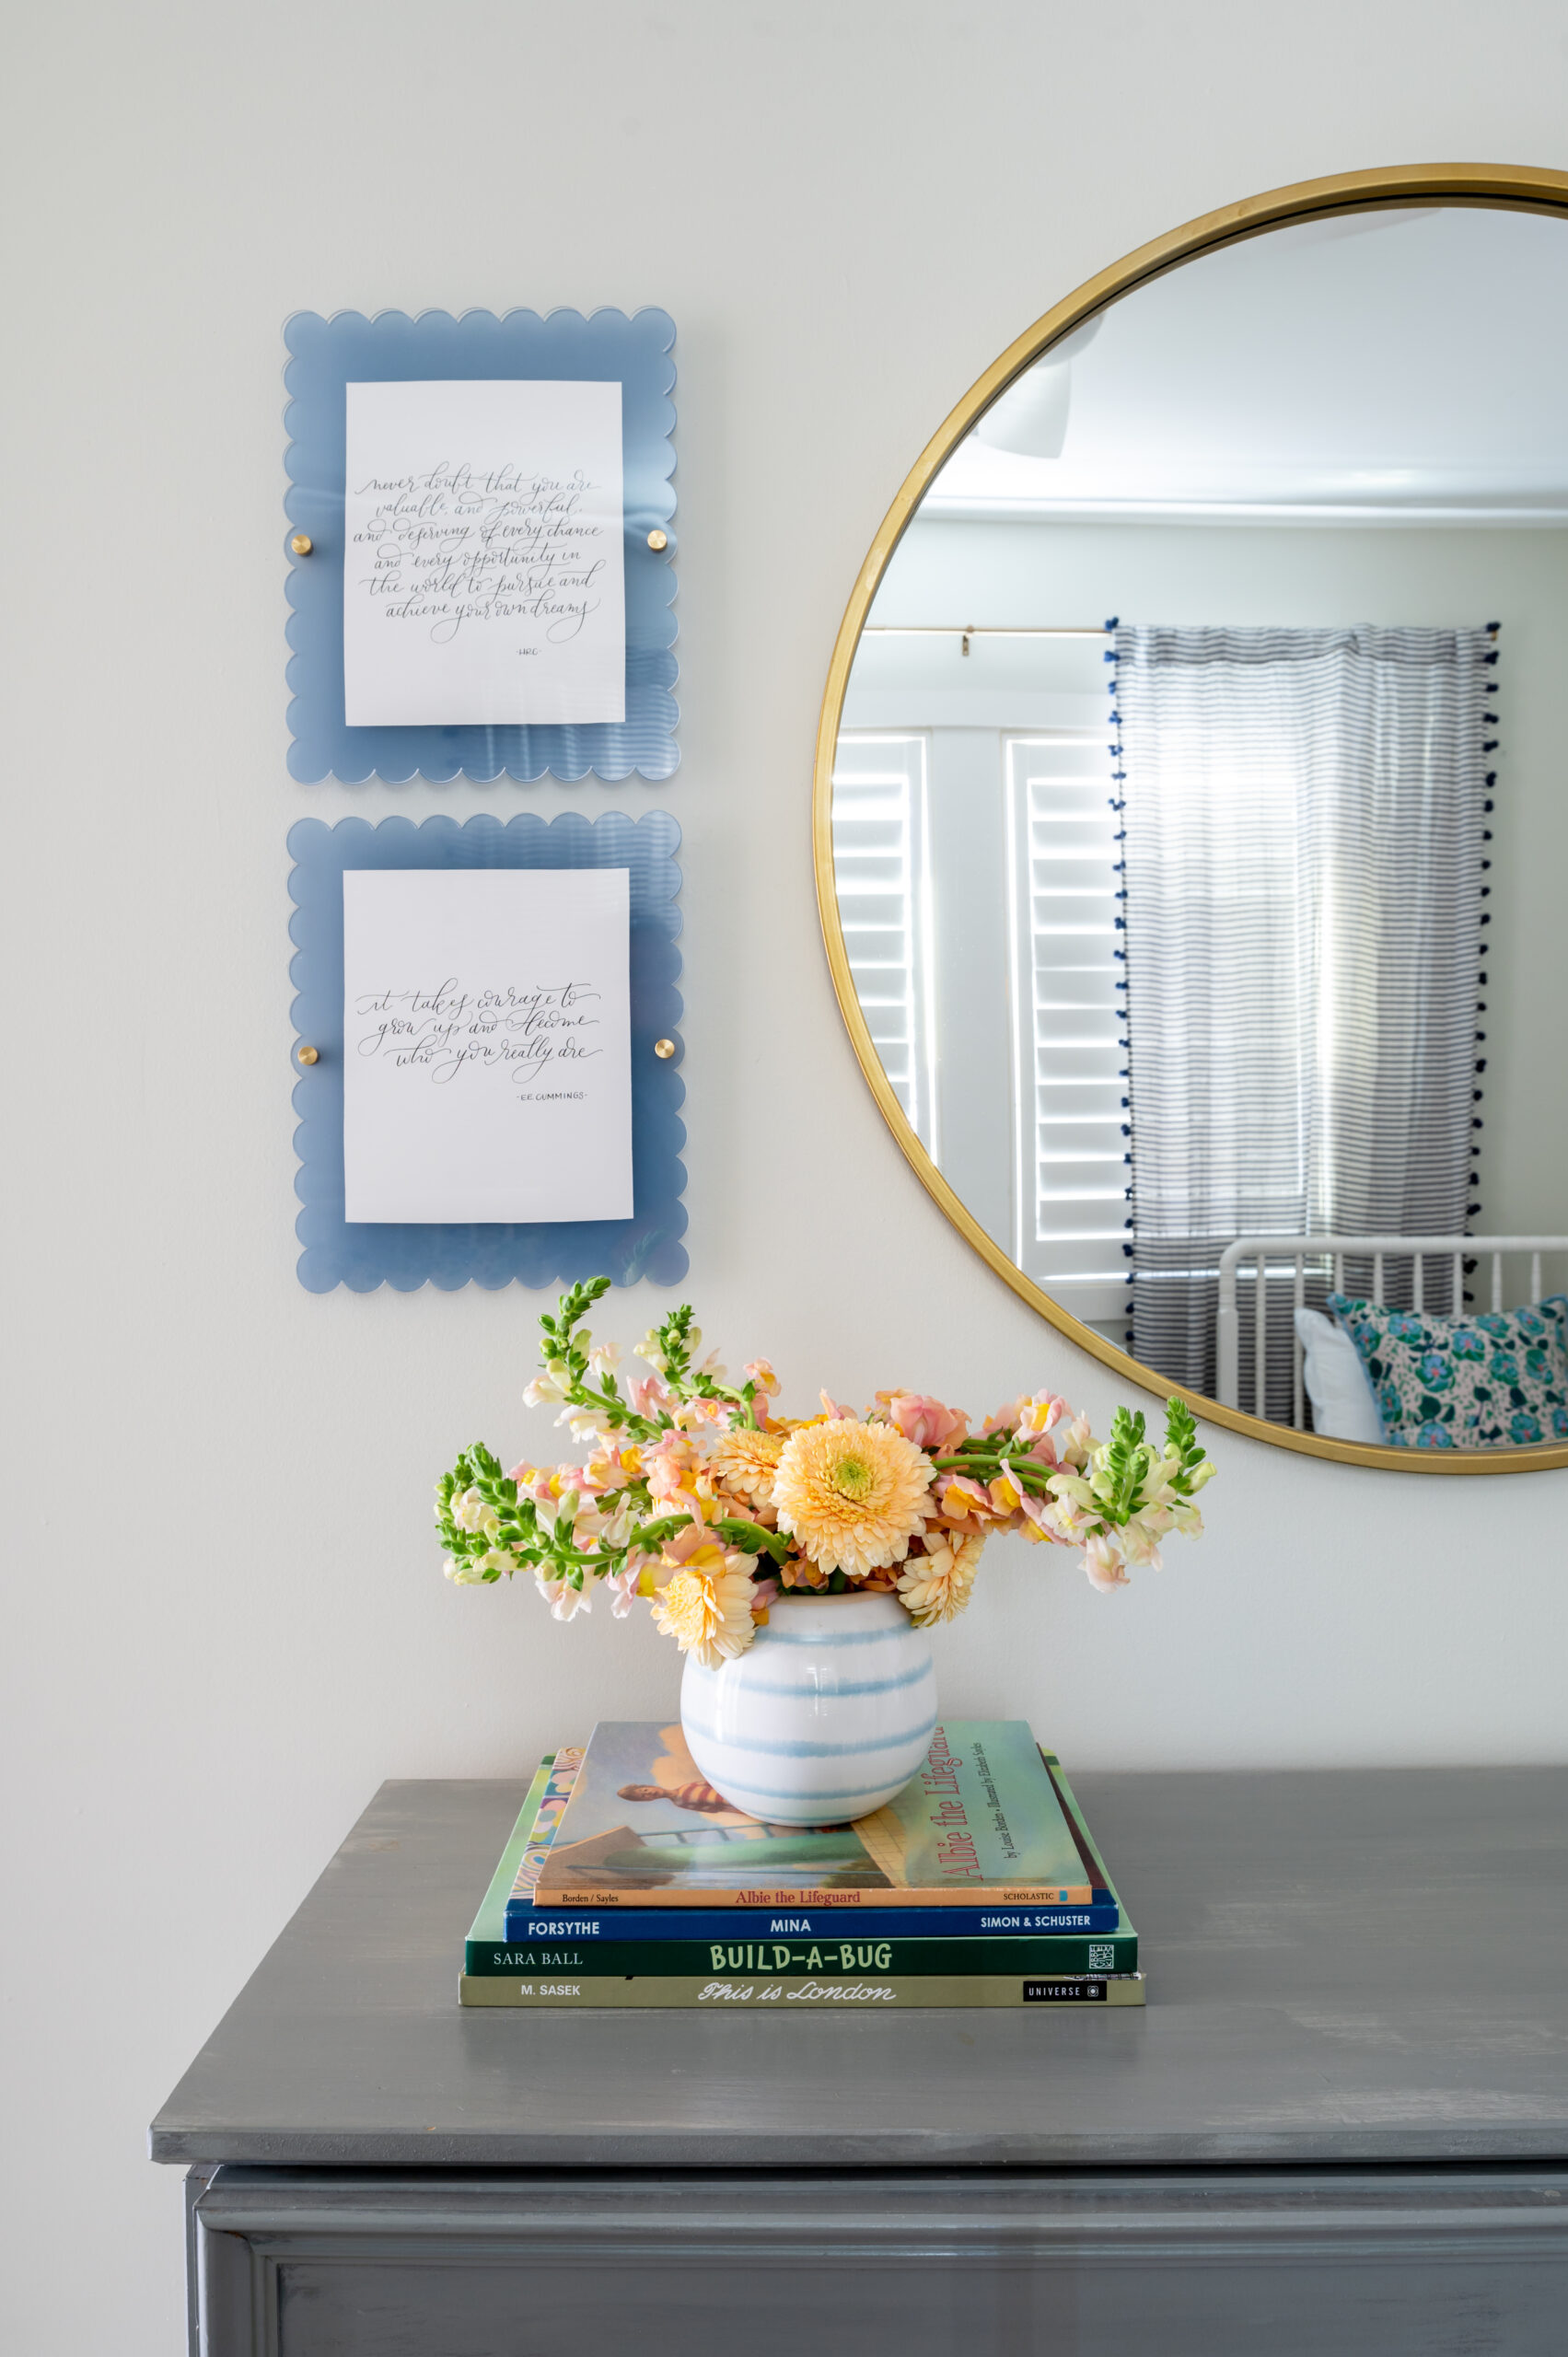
{"x": 881, "y": 864}
{"x": 1070, "y": 1183}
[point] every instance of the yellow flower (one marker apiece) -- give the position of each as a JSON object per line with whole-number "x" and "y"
{"x": 852, "y": 1495}
{"x": 936, "y": 1585}
{"x": 746, "y": 1462}
{"x": 706, "y": 1608}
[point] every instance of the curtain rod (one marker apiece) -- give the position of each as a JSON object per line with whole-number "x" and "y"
{"x": 964, "y": 632}
{"x": 973, "y": 630}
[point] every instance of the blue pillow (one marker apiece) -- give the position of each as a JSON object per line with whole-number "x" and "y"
{"x": 1492, "y": 1379}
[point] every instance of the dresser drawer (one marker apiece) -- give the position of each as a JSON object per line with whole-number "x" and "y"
{"x": 1283, "y": 2263}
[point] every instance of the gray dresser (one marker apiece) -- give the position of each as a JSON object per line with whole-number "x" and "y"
{"x": 1341, "y": 2124}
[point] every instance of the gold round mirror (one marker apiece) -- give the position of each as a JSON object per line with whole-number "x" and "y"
{"x": 1191, "y": 825}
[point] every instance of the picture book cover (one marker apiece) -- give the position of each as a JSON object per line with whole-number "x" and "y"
{"x": 530, "y": 1920}
{"x": 983, "y": 1819}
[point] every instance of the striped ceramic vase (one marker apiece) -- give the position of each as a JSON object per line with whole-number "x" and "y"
{"x": 826, "y": 1715}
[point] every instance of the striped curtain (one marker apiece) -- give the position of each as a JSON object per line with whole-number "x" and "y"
{"x": 1304, "y": 815}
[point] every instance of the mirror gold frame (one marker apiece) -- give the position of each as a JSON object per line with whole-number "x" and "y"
{"x": 1507, "y": 187}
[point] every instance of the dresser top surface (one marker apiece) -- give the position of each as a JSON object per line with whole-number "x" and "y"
{"x": 1341, "y": 1966}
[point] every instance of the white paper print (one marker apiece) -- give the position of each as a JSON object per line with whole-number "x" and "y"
{"x": 483, "y": 580}
{"x": 487, "y": 1044}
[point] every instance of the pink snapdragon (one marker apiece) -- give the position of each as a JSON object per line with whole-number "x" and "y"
{"x": 1040, "y": 1521}
{"x": 961, "y": 1500}
{"x": 650, "y": 1396}
{"x": 696, "y": 1549}
{"x": 924, "y": 1421}
{"x": 670, "y": 1467}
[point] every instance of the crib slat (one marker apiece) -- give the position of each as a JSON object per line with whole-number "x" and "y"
{"x": 1418, "y": 1280}
{"x": 1261, "y": 1339}
{"x": 1497, "y": 1281}
{"x": 1457, "y": 1305}
{"x": 1535, "y": 1276}
{"x": 1377, "y": 1279}
{"x": 1297, "y": 1355}
{"x": 1338, "y": 1272}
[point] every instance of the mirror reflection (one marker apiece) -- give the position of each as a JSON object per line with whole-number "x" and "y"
{"x": 1200, "y": 831}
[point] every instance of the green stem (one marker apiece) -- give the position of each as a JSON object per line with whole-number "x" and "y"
{"x": 752, "y": 1539}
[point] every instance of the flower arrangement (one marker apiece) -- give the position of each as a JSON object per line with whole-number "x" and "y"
{"x": 697, "y": 1498}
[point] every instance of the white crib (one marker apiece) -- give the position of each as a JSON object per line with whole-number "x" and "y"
{"x": 1299, "y": 1249}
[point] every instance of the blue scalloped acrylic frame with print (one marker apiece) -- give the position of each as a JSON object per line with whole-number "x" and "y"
{"x": 363, "y": 1255}
{"x": 328, "y": 355}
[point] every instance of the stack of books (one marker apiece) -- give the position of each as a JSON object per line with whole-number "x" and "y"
{"x": 630, "y": 1881}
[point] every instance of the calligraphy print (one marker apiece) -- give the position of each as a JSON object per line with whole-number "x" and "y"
{"x": 487, "y": 1049}
{"x": 484, "y": 576}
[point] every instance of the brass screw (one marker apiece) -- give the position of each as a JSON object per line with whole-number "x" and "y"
{"x": 658, "y": 539}
{"x": 664, "y": 1047}
{"x": 309, "y": 1055}
{"x": 302, "y": 544}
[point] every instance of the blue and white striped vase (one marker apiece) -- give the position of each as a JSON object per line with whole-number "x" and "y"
{"x": 823, "y": 1718}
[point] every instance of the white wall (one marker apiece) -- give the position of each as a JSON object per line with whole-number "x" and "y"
{"x": 225, "y": 1619}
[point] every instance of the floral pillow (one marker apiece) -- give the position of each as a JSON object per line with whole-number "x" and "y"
{"x": 1495, "y": 1379}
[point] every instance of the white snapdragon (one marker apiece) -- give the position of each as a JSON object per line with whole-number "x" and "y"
{"x": 584, "y": 1423}
{"x": 1077, "y": 1505}
{"x": 1073, "y": 1442}
{"x": 603, "y": 1359}
{"x": 564, "y": 1601}
{"x": 476, "y": 1571}
{"x": 619, "y": 1526}
{"x": 1102, "y": 1560}
{"x": 622, "y": 1589}
{"x": 587, "y": 1526}
{"x": 471, "y": 1512}
{"x": 1140, "y": 1544}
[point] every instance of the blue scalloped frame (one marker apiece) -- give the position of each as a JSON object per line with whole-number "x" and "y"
{"x": 362, "y": 1256}
{"x": 348, "y": 348}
